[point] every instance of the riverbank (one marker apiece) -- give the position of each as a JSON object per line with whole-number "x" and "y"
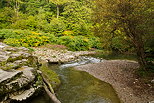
{"x": 120, "y": 74}
{"x": 58, "y": 56}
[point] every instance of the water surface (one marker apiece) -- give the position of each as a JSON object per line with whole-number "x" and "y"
{"x": 80, "y": 86}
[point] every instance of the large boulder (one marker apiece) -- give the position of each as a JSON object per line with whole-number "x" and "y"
{"x": 19, "y": 79}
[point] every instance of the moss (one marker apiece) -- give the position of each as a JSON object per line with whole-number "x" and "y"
{"x": 3, "y": 65}
{"x": 50, "y": 75}
{"x": 32, "y": 61}
{"x": 14, "y": 59}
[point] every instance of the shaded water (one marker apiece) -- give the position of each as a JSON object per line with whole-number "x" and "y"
{"x": 81, "y": 87}
{"x": 115, "y": 55}
{"x": 42, "y": 98}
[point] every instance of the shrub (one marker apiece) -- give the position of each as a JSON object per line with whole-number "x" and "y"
{"x": 5, "y": 32}
{"x": 6, "y": 15}
{"x": 121, "y": 45}
{"x": 26, "y": 38}
{"x": 77, "y": 43}
{"x": 29, "y": 38}
{"x": 67, "y": 33}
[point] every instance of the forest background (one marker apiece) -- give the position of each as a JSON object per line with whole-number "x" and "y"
{"x": 123, "y": 26}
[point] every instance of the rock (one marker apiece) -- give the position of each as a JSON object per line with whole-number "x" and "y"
{"x": 58, "y": 56}
{"x": 27, "y": 76}
{"x": 2, "y": 45}
{"x": 29, "y": 73}
{"x": 7, "y": 76}
{"x": 23, "y": 95}
{"x": 152, "y": 81}
{"x": 23, "y": 49}
{"x": 19, "y": 79}
{"x": 3, "y": 58}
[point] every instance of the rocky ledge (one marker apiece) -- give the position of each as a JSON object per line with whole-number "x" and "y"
{"x": 19, "y": 79}
{"x": 58, "y": 56}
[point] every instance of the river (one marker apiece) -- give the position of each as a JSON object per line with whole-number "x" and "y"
{"x": 79, "y": 86}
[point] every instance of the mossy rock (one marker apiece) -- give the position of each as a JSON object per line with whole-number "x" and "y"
{"x": 18, "y": 73}
{"x": 50, "y": 75}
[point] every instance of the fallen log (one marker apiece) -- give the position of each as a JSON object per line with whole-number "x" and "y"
{"x": 52, "y": 96}
{"x": 49, "y": 90}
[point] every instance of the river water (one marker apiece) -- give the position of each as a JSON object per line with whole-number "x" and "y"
{"x": 79, "y": 86}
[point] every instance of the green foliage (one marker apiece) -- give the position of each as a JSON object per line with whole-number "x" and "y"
{"x": 77, "y": 43}
{"x": 57, "y": 26}
{"x": 5, "y": 32}
{"x": 26, "y": 38}
{"x": 149, "y": 44}
{"x": 121, "y": 45}
{"x": 67, "y": 33}
{"x": 146, "y": 73}
{"x": 25, "y": 23}
{"x": 74, "y": 15}
{"x": 78, "y": 17}
{"x": 29, "y": 38}
{"x": 6, "y": 15}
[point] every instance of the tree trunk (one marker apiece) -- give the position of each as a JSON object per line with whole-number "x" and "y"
{"x": 58, "y": 11}
{"x": 16, "y": 8}
{"x": 140, "y": 53}
{"x": 52, "y": 96}
{"x": 136, "y": 39}
{"x": 49, "y": 90}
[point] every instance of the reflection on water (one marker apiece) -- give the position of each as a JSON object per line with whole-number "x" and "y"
{"x": 81, "y": 87}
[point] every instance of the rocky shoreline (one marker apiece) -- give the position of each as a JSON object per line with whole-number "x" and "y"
{"x": 19, "y": 79}
{"x": 118, "y": 73}
{"x": 21, "y": 76}
{"x": 58, "y": 56}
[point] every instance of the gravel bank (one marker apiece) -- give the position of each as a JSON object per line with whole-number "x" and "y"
{"x": 119, "y": 73}
{"x": 58, "y": 56}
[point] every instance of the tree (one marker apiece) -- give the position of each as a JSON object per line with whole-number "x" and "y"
{"x": 131, "y": 17}
{"x": 78, "y": 17}
{"x": 58, "y": 3}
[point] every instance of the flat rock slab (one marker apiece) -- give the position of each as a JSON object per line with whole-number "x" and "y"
{"x": 16, "y": 79}
{"x": 7, "y": 76}
{"x": 18, "y": 73}
{"x": 23, "y": 95}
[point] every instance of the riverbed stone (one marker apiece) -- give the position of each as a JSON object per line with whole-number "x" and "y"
{"x": 4, "y": 58}
{"x": 58, "y": 56}
{"x": 152, "y": 81}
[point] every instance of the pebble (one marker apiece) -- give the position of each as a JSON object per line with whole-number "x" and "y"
{"x": 152, "y": 81}
{"x": 61, "y": 56}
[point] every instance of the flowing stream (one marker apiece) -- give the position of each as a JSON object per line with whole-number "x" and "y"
{"x": 81, "y": 87}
